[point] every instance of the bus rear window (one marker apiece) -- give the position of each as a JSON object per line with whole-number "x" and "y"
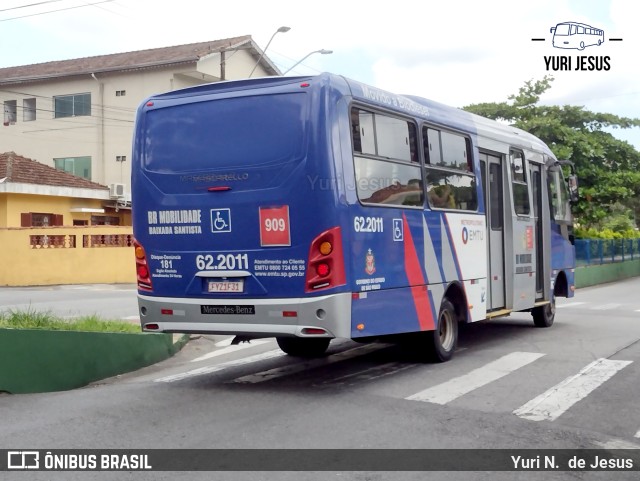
{"x": 236, "y": 132}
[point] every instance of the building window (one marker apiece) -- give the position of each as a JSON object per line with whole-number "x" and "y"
{"x": 78, "y": 166}
{"x": 121, "y": 93}
{"x": 71, "y": 105}
{"x": 37, "y": 219}
{"x": 28, "y": 110}
{"x": 10, "y": 112}
{"x": 105, "y": 220}
{"x": 121, "y": 158}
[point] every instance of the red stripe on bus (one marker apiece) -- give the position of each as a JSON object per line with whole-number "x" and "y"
{"x": 416, "y": 281}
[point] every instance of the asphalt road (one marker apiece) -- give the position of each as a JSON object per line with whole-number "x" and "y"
{"x": 510, "y": 385}
{"x": 109, "y": 301}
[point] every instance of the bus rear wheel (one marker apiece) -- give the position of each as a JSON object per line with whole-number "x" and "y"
{"x": 441, "y": 342}
{"x": 543, "y": 316}
{"x": 303, "y": 347}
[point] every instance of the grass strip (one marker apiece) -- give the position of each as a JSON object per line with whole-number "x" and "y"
{"x": 47, "y": 321}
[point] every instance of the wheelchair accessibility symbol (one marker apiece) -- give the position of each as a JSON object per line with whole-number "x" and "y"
{"x": 220, "y": 220}
{"x": 398, "y": 230}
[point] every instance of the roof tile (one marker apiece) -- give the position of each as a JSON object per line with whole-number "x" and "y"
{"x": 20, "y": 170}
{"x": 119, "y": 61}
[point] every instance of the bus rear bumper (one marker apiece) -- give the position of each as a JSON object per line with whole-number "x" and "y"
{"x": 302, "y": 317}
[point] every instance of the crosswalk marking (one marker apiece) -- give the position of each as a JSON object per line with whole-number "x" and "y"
{"x": 570, "y": 304}
{"x": 616, "y": 444}
{"x": 456, "y": 387}
{"x": 229, "y": 348}
{"x": 375, "y": 372}
{"x": 605, "y": 307}
{"x": 555, "y": 401}
{"x": 220, "y": 367}
{"x": 601, "y": 307}
{"x": 310, "y": 364}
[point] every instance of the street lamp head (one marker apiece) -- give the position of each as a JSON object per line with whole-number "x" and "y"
{"x": 280, "y": 30}
{"x": 323, "y": 52}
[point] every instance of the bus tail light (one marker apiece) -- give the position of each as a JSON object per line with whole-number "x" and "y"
{"x": 142, "y": 269}
{"x": 325, "y": 268}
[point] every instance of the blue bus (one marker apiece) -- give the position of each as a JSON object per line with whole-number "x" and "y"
{"x": 314, "y": 208}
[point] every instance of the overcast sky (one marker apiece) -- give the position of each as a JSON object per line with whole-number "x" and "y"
{"x": 453, "y": 51}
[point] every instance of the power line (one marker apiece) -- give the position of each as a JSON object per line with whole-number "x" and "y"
{"x": 54, "y": 11}
{"x": 29, "y": 5}
{"x": 48, "y": 98}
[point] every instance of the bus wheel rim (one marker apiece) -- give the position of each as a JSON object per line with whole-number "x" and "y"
{"x": 445, "y": 331}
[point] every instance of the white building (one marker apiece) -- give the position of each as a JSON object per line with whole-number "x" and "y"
{"x": 78, "y": 115}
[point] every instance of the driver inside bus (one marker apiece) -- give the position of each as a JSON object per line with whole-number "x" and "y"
{"x": 442, "y": 196}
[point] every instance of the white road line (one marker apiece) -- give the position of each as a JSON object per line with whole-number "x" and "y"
{"x": 605, "y": 307}
{"x": 459, "y": 386}
{"x": 303, "y": 366}
{"x": 219, "y": 367}
{"x": 554, "y": 402}
{"x": 228, "y": 349}
{"x": 570, "y": 304}
{"x": 616, "y": 444}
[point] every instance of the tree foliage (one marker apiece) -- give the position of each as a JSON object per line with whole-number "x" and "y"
{"x": 608, "y": 168}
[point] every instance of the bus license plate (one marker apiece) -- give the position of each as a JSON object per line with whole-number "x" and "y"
{"x": 226, "y": 286}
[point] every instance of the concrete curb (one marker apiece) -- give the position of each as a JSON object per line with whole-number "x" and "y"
{"x": 34, "y": 360}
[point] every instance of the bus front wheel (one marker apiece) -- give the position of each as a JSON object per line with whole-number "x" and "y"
{"x": 303, "y": 347}
{"x": 543, "y": 316}
{"x": 443, "y": 340}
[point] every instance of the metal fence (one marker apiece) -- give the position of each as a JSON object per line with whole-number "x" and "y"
{"x": 603, "y": 251}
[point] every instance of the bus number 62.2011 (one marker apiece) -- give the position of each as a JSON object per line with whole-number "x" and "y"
{"x": 227, "y": 262}
{"x": 368, "y": 224}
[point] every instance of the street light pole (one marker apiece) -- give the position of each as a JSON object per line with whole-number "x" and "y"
{"x": 280, "y": 30}
{"x": 323, "y": 52}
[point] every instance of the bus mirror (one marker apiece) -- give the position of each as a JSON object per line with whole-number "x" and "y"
{"x": 553, "y": 29}
{"x": 572, "y": 182}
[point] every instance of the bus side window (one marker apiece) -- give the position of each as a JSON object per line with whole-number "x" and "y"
{"x": 387, "y": 162}
{"x": 355, "y": 130}
{"x": 451, "y": 181}
{"x": 519, "y": 183}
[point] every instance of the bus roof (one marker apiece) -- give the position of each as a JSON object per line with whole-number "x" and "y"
{"x": 420, "y": 107}
{"x": 577, "y": 23}
{"x": 446, "y": 115}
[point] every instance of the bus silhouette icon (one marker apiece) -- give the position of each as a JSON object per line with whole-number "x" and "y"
{"x": 576, "y": 35}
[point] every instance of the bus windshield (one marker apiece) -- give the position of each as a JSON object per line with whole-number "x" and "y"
{"x": 563, "y": 29}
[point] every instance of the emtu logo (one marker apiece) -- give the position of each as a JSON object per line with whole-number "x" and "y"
{"x": 576, "y": 35}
